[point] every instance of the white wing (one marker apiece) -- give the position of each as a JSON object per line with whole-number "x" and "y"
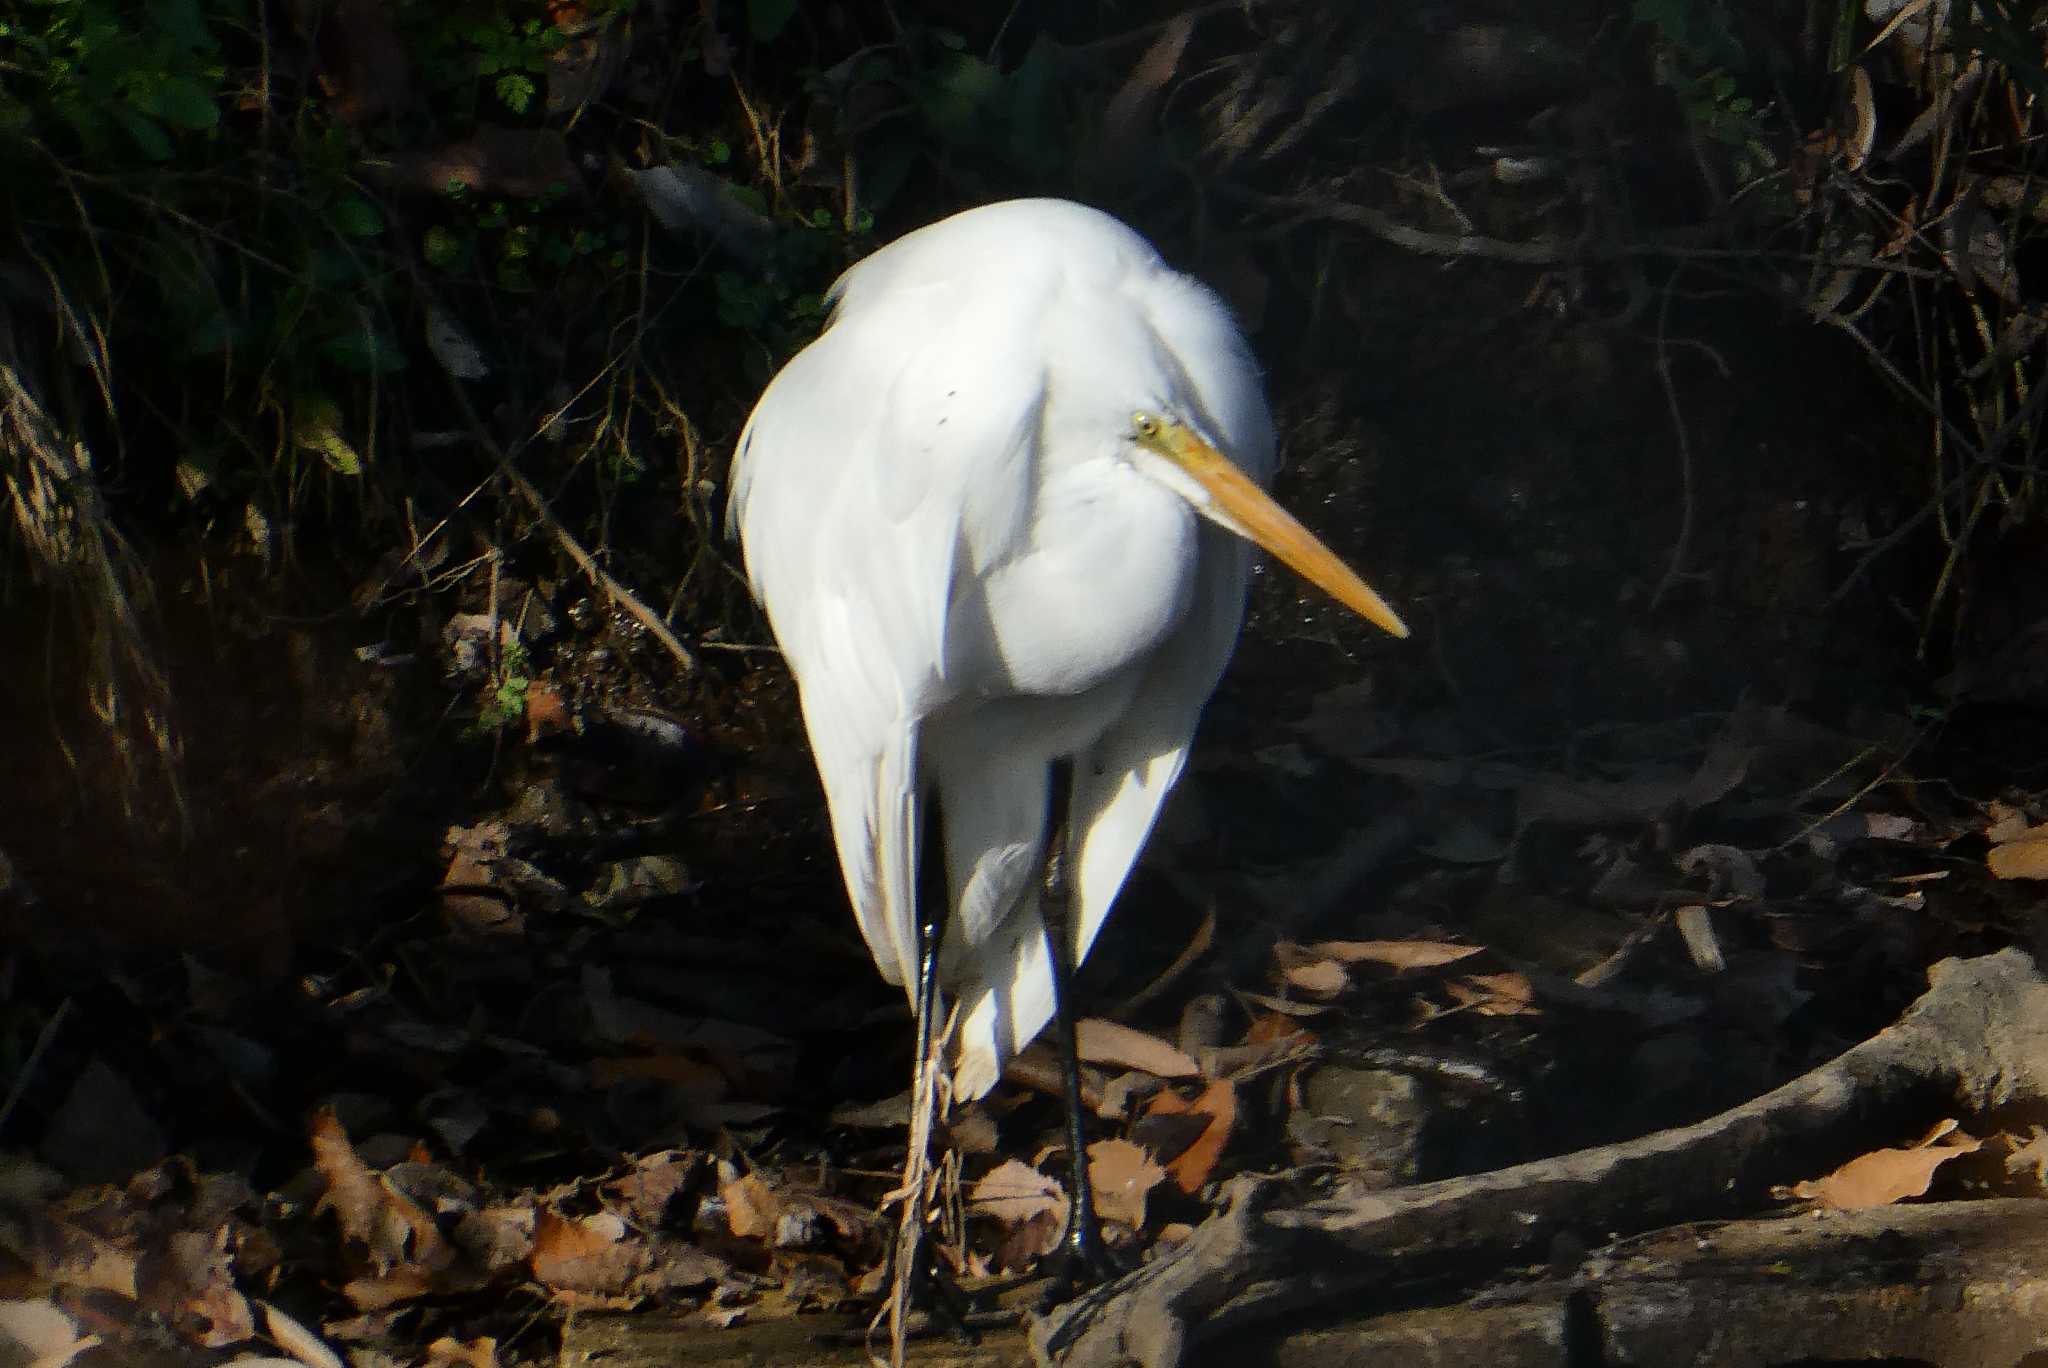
{"x": 854, "y": 483}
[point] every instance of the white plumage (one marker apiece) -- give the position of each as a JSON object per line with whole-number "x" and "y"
{"x": 980, "y": 514}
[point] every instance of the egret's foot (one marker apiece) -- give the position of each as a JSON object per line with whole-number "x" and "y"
{"x": 1081, "y": 1262}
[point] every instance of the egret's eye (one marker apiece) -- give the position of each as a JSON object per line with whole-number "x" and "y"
{"x": 1145, "y": 426}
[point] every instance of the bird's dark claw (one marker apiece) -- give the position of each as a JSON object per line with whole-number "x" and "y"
{"x": 1082, "y": 1261}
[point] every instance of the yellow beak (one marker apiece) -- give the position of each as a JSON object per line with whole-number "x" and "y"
{"x": 1251, "y": 512}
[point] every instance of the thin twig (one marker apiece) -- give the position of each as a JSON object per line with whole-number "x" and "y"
{"x": 1682, "y": 545}
{"x": 28, "y": 1068}
{"x": 617, "y": 593}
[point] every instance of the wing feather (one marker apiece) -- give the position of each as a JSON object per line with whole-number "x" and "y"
{"x": 891, "y": 448}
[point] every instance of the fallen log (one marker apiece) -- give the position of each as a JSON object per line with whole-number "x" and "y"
{"x": 1977, "y": 1039}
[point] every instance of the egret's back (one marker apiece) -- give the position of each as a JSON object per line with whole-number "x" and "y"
{"x": 969, "y": 581}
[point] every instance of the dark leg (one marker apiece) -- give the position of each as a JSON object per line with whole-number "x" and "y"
{"x": 918, "y": 1277}
{"x": 1082, "y": 1258}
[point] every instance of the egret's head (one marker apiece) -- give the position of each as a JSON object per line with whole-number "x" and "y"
{"x": 1226, "y": 496}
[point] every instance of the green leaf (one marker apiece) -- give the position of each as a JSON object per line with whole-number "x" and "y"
{"x": 441, "y": 247}
{"x": 183, "y": 23}
{"x": 149, "y": 136}
{"x": 177, "y": 100}
{"x": 516, "y": 91}
{"x": 766, "y": 19}
{"x": 316, "y": 426}
{"x": 884, "y": 172}
{"x": 963, "y": 89}
{"x": 365, "y": 352}
{"x": 357, "y": 217}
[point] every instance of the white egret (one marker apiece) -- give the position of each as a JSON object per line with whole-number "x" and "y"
{"x": 999, "y": 515}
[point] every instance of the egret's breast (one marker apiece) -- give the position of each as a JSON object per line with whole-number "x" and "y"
{"x": 1104, "y": 575}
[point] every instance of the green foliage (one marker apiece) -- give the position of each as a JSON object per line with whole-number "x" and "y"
{"x": 261, "y": 247}
{"x": 99, "y": 79}
{"x": 780, "y": 301}
{"x": 966, "y": 109}
{"x": 504, "y": 707}
{"x": 505, "y": 48}
{"x": 1704, "y": 63}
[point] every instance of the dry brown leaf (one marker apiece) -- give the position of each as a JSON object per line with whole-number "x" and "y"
{"x": 1013, "y": 1192}
{"x": 1106, "y": 1042}
{"x": 195, "y": 1285}
{"x": 1269, "y": 1027}
{"x": 2008, "y": 823}
{"x": 370, "y": 1325}
{"x": 547, "y": 714}
{"x": 590, "y": 1254}
{"x": 814, "y": 1282}
{"x": 653, "y": 1184}
{"x": 1030, "y": 1207}
{"x": 408, "y": 1282}
{"x": 1021, "y": 1246}
{"x": 1398, "y": 955}
{"x": 1885, "y": 1176}
{"x": 390, "y": 1225}
{"x": 1506, "y": 994}
{"x": 751, "y": 1207}
{"x": 1191, "y": 1168}
{"x": 223, "y": 1311}
{"x": 2024, "y": 859}
{"x": 295, "y": 1339}
{"x": 1285, "y": 1006}
{"x": 81, "y": 1259}
{"x": 481, "y": 1352}
{"x": 1318, "y": 978}
{"x": 598, "y": 1257}
{"x": 1122, "y": 1175}
{"x": 673, "y": 1265}
{"x": 497, "y": 1238}
{"x": 853, "y": 1222}
{"x": 488, "y": 914}
{"x": 2030, "y": 1157}
{"x": 36, "y": 1334}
